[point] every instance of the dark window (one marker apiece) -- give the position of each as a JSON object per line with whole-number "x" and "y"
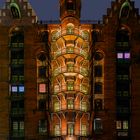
{"x": 98, "y": 104}
{"x": 98, "y": 127}
{"x": 42, "y": 126}
{"x": 125, "y": 12}
{"x": 42, "y": 104}
{"x": 17, "y": 37}
{"x": 98, "y": 88}
{"x": 98, "y": 71}
{"x": 15, "y": 12}
{"x": 98, "y": 56}
{"x": 70, "y": 5}
{"x": 42, "y": 71}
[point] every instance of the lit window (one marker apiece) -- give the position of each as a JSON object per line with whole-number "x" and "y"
{"x": 42, "y": 88}
{"x": 57, "y": 130}
{"x": 127, "y": 55}
{"x": 18, "y": 127}
{"x": 125, "y": 124}
{"x": 56, "y": 106}
{"x": 119, "y": 55}
{"x": 14, "y": 89}
{"x": 42, "y": 126}
{"x": 70, "y": 129}
{"x": 83, "y": 129}
{"x": 118, "y": 125}
{"x": 70, "y": 103}
{"x": 84, "y": 106}
{"x": 21, "y": 88}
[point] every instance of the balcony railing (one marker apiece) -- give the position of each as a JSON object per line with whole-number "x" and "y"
{"x": 74, "y": 107}
{"x": 17, "y": 111}
{"x": 18, "y": 133}
{"x": 72, "y": 69}
{"x": 74, "y": 88}
{"x": 72, "y": 50}
{"x": 17, "y": 61}
{"x": 17, "y": 45}
{"x": 75, "y": 32}
{"x": 17, "y": 78}
{"x": 58, "y": 133}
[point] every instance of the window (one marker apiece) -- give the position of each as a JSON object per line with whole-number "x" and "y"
{"x": 70, "y": 28}
{"x": 98, "y": 127}
{"x": 122, "y": 125}
{"x": 83, "y": 129}
{"x": 98, "y": 71}
{"x": 70, "y": 103}
{"x": 70, "y": 128}
{"x": 17, "y": 128}
{"x": 70, "y": 85}
{"x": 70, "y": 5}
{"x": 98, "y": 56}
{"x": 56, "y": 106}
{"x": 98, "y": 104}
{"x": 42, "y": 126}
{"x": 57, "y": 130}
{"x": 17, "y": 88}
{"x": 42, "y": 88}
{"x": 125, "y": 55}
{"x": 42, "y": 104}
{"x": 98, "y": 88}
{"x": 42, "y": 72}
{"x": 15, "y": 12}
{"x": 84, "y": 106}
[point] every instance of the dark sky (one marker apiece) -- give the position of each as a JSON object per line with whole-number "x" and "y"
{"x": 91, "y": 9}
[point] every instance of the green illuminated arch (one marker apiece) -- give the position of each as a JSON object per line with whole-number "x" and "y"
{"x": 124, "y": 5}
{"x": 14, "y": 5}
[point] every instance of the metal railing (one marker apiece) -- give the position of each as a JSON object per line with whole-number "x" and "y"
{"x": 17, "y": 61}
{"x": 71, "y": 69}
{"x": 17, "y": 111}
{"x": 75, "y": 32}
{"x": 74, "y": 106}
{"x": 76, "y": 88}
{"x": 17, "y": 45}
{"x": 68, "y": 50}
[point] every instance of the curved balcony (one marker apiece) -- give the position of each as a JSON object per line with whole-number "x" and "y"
{"x": 75, "y": 32}
{"x": 71, "y": 107}
{"x": 71, "y": 70}
{"x": 71, "y": 89}
{"x": 70, "y": 50}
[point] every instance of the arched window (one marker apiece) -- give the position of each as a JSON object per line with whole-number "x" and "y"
{"x": 125, "y": 10}
{"x": 85, "y": 35}
{"x": 70, "y": 5}
{"x": 70, "y": 28}
{"x": 15, "y": 11}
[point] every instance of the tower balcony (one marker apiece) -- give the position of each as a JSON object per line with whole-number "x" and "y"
{"x": 74, "y": 107}
{"x": 71, "y": 88}
{"x": 74, "y": 32}
{"x": 70, "y": 50}
{"x": 72, "y": 70}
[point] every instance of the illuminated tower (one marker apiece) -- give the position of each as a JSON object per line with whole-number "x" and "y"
{"x": 70, "y": 74}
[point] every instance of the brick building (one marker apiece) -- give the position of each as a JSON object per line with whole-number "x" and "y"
{"x": 70, "y": 79}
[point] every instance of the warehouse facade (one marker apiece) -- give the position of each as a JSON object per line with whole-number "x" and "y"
{"x": 69, "y": 80}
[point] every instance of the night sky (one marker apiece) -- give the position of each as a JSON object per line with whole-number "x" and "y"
{"x": 91, "y": 9}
